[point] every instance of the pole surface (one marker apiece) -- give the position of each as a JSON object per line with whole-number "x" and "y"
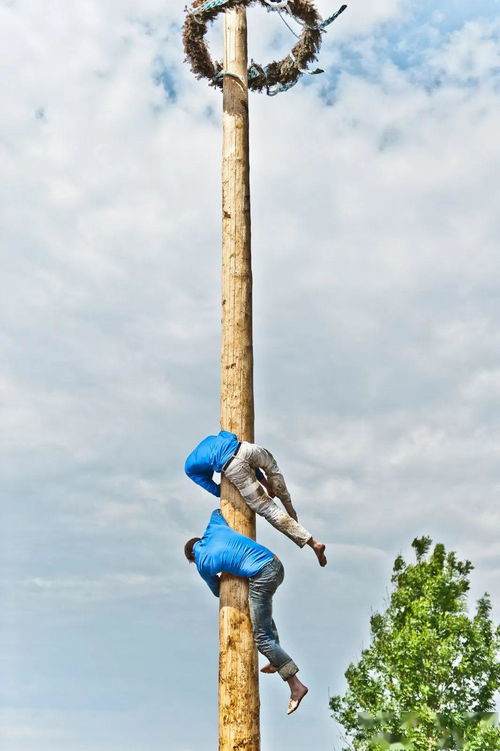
{"x": 239, "y": 702}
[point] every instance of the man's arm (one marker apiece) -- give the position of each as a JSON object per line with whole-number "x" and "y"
{"x": 205, "y": 481}
{"x": 213, "y": 582}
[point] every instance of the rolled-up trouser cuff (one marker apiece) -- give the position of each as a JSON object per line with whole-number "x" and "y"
{"x": 288, "y": 670}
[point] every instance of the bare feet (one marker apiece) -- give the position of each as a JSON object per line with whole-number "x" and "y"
{"x": 298, "y": 691}
{"x": 268, "y": 669}
{"x": 319, "y": 550}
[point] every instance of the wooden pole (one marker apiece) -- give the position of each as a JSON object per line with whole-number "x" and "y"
{"x": 239, "y": 702}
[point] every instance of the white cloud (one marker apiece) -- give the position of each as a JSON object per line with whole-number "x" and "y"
{"x": 471, "y": 53}
{"x": 73, "y": 590}
{"x": 360, "y": 18}
{"x": 375, "y": 237}
{"x": 484, "y": 386}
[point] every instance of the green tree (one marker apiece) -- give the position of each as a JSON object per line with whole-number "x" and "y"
{"x": 429, "y": 677}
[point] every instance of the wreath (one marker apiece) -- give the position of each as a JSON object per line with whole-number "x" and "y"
{"x": 276, "y": 76}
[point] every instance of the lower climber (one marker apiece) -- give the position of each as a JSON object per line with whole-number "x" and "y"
{"x": 220, "y": 550}
{"x": 242, "y": 464}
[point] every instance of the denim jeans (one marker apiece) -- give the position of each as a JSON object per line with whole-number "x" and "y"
{"x": 262, "y": 587}
{"x": 241, "y": 472}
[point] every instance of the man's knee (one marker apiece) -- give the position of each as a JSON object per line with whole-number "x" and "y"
{"x": 278, "y": 486}
{"x": 263, "y": 641}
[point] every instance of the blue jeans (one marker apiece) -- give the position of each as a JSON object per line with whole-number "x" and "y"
{"x": 262, "y": 587}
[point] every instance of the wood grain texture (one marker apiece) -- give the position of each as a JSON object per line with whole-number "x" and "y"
{"x": 239, "y": 704}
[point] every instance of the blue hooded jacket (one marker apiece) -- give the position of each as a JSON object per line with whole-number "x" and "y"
{"x": 222, "y": 549}
{"x": 210, "y": 456}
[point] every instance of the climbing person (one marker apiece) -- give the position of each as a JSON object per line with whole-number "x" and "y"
{"x": 242, "y": 464}
{"x": 220, "y": 550}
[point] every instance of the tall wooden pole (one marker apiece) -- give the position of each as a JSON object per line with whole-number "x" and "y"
{"x": 239, "y": 702}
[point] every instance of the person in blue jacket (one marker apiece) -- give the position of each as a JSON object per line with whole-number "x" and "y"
{"x": 221, "y": 549}
{"x": 242, "y": 463}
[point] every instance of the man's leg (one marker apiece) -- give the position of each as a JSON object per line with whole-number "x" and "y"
{"x": 259, "y": 457}
{"x": 270, "y": 668}
{"x": 261, "y": 590}
{"x": 242, "y": 475}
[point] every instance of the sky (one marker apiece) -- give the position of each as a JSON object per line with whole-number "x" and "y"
{"x": 377, "y": 349}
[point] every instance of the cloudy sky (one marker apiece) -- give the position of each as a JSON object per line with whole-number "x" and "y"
{"x": 377, "y": 349}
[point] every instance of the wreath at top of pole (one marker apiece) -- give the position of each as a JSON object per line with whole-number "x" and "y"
{"x": 274, "y": 77}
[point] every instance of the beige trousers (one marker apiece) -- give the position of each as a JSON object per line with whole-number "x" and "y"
{"x": 241, "y": 472}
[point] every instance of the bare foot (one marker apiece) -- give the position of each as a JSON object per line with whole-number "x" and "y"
{"x": 298, "y": 693}
{"x": 268, "y": 669}
{"x": 319, "y": 549}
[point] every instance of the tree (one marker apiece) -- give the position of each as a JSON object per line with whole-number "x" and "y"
{"x": 429, "y": 677}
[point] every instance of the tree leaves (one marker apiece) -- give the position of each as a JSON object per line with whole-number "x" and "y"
{"x": 431, "y": 671}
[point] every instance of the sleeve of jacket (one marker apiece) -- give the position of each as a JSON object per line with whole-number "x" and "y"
{"x": 205, "y": 481}
{"x": 213, "y": 582}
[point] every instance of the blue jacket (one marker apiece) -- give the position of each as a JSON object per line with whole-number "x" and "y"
{"x": 222, "y": 549}
{"x": 210, "y": 456}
